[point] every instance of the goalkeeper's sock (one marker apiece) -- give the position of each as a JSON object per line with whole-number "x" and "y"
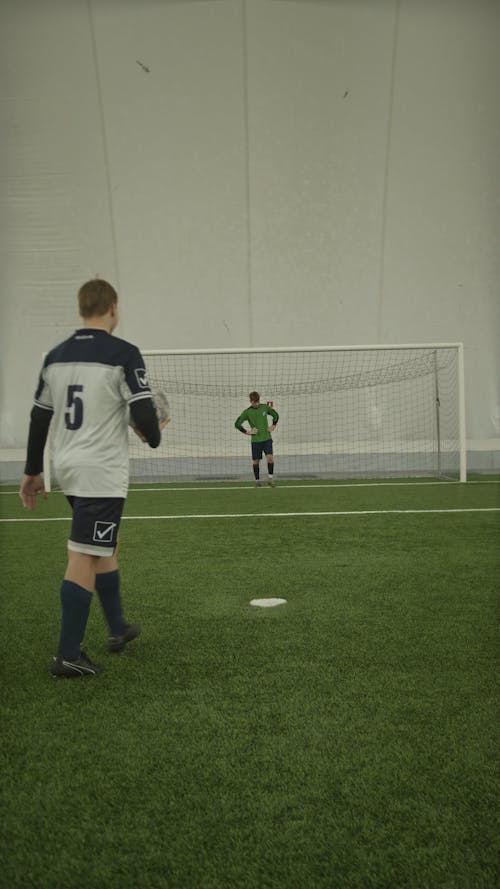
{"x": 270, "y": 468}
{"x": 108, "y": 589}
{"x": 256, "y": 472}
{"x": 75, "y": 605}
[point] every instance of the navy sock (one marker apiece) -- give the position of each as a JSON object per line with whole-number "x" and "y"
{"x": 256, "y": 471}
{"x": 75, "y": 607}
{"x": 108, "y": 590}
{"x": 270, "y": 468}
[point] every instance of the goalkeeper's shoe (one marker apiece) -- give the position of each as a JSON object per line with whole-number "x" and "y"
{"x": 271, "y": 483}
{"x": 257, "y": 483}
{"x": 62, "y": 668}
{"x": 118, "y": 643}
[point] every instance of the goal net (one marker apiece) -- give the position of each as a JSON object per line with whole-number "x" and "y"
{"x": 350, "y": 412}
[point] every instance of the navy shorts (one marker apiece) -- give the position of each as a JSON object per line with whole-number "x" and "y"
{"x": 261, "y": 447}
{"x": 96, "y": 520}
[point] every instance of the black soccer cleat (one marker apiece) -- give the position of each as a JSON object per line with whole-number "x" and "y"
{"x": 118, "y": 643}
{"x": 62, "y": 668}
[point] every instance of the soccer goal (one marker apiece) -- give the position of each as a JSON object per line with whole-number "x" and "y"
{"x": 345, "y": 412}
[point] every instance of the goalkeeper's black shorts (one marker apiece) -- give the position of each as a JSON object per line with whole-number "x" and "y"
{"x": 261, "y": 447}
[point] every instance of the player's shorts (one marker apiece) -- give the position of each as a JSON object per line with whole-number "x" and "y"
{"x": 261, "y": 447}
{"x": 96, "y": 520}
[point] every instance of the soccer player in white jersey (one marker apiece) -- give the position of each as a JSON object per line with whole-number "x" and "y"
{"x": 87, "y": 387}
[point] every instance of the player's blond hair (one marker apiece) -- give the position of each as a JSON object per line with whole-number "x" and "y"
{"x": 96, "y": 298}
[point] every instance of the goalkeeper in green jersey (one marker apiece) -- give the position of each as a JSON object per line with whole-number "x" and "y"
{"x": 262, "y": 443}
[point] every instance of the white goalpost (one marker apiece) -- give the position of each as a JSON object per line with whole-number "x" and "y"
{"x": 345, "y": 412}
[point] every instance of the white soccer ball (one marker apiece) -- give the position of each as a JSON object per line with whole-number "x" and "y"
{"x": 161, "y": 404}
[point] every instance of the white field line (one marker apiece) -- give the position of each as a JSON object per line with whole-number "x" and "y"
{"x": 288, "y": 487}
{"x": 263, "y": 515}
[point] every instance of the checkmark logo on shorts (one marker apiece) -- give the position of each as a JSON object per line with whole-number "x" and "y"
{"x": 103, "y": 531}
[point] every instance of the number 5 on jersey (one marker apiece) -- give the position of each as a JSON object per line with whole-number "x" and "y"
{"x": 74, "y": 415}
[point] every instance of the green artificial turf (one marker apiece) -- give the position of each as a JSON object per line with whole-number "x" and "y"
{"x": 345, "y": 739}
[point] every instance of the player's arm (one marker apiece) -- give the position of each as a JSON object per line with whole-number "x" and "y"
{"x": 240, "y": 427}
{"x": 275, "y": 417}
{"x": 136, "y": 391}
{"x": 145, "y": 420}
{"x": 239, "y": 423}
{"x": 32, "y": 482}
{"x": 37, "y": 436}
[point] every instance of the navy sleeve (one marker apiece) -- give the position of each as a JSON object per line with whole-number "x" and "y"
{"x": 144, "y": 415}
{"x": 136, "y": 377}
{"x": 37, "y": 437}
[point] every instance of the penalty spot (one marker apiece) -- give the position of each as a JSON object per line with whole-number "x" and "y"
{"x": 267, "y": 603}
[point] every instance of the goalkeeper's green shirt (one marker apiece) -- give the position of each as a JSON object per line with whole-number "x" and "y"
{"x": 256, "y": 417}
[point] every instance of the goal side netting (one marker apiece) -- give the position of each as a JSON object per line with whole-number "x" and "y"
{"x": 351, "y": 412}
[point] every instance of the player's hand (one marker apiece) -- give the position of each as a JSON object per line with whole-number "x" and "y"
{"x": 272, "y": 427}
{"x": 253, "y": 431}
{"x": 139, "y": 433}
{"x": 31, "y": 486}
{"x": 163, "y": 423}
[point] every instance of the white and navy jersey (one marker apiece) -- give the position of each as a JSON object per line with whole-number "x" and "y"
{"x": 88, "y": 381}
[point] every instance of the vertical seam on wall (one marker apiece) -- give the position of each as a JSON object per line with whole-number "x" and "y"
{"x": 247, "y": 171}
{"x": 107, "y": 169}
{"x": 381, "y": 284}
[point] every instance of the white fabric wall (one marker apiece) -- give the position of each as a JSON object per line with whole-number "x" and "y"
{"x": 286, "y": 172}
